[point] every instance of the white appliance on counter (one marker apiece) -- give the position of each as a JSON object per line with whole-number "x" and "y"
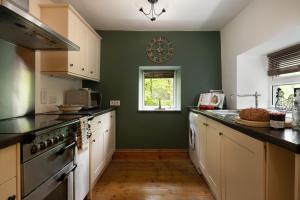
{"x": 194, "y": 151}
{"x": 82, "y": 160}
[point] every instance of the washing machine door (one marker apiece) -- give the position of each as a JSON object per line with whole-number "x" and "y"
{"x": 192, "y": 136}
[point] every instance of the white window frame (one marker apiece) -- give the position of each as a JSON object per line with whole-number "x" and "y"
{"x": 176, "y": 88}
{"x": 285, "y": 79}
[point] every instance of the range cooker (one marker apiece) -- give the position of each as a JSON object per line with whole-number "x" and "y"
{"x": 48, "y": 163}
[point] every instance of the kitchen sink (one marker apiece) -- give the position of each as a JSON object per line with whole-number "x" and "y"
{"x": 224, "y": 112}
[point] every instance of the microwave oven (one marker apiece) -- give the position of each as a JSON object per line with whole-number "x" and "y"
{"x": 85, "y": 97}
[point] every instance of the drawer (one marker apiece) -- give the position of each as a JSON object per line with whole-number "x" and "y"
{"x": 8, "y": 163}
{"x": 8, "y": 189}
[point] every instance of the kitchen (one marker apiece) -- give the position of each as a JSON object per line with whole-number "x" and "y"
{"x": 140, "y": 133}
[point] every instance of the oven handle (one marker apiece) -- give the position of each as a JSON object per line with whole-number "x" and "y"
{"x": 65, "y": 175}
{"x": 62, "y": 151}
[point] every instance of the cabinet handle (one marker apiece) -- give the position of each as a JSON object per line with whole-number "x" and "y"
{"x": 12, "y": 197}
{"x": 99, "y": 122}
{"x": 106, "y": 131}
{"x": 220, "y": 134}
{"x": 92, "y": 72}
{"x": 205, "y": 124}
{"x": 71, "y": 65}
{"x": 94, "y": 141}
{"x": 82, "y": 69}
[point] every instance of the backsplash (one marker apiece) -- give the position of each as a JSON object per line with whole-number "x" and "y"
{"x": 16, "y": 80}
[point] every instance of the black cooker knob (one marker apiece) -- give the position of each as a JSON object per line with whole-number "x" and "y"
{"x": 35, "y": 148}
{"x": 55, "y": 139}
{"x": 49, "y": 142}
{"x": 61, "y": 137}
{"x": 12, "y": 197}
{"x": 43, "y": 145}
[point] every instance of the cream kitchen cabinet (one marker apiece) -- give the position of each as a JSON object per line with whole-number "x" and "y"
{"x": 232, "y": 163}
{"x": 202, "y": 141}
{"x": 243, "y": 166}
{"x": 10, "y": 186}
{"x": 85, "y": 63}
{"x": 97, "y": 155}
{"x": 213, "y": 157}
{"x": 102, "y": 144}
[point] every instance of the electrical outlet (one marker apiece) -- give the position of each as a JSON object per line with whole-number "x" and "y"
{"x": 115, "y": 102}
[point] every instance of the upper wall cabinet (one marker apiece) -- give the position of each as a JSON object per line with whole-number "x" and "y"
{"x": 84, "y": 64}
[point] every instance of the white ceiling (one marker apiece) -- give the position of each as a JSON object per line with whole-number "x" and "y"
{"x": 181, "y": 15}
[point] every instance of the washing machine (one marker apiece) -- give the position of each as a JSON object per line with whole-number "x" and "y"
{"x": 193, "y": 140}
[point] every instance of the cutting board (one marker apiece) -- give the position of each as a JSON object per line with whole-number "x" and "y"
{"x": 288, "y": 123}
{"x": 252, "y": 123}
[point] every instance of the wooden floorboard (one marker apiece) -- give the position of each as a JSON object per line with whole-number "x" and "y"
{"x": 151, "y": 179}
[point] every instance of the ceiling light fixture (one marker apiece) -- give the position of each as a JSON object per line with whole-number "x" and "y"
{"x": 152, "y": 15}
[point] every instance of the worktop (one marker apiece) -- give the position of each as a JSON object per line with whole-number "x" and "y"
{"x": 288, "y": 138}
{"x": 15, "y": 130}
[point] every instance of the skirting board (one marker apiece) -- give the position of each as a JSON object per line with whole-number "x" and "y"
{"x": 150, "y": 154}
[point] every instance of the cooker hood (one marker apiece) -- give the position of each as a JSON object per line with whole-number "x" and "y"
{"x": 19, "y": 27}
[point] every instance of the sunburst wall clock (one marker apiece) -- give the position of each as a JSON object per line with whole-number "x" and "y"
{"x": 160, "y": 50}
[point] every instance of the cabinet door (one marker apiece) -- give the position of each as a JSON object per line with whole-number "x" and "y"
{"x": 93, "y": 50}
{"x": 242, "y": 167}
{"x": 213, "y": 159}
{"x": 82, "y": 60}
{"x": 97, "y": 155}
{"x": 202, "y": 143}
{"x": 74, "y": 34}
{"x": 8, "y": 189}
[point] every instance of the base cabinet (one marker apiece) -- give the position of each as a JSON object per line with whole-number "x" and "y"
{"x": 232, "y": 163}
{"x": 10, "y": 178}
{"x": 243, "y": 167}
{"x": 213, "y": 159}
{"x": 102, "y": 144}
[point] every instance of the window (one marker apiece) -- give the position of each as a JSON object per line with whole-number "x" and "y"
{"x": 159, "y": 89}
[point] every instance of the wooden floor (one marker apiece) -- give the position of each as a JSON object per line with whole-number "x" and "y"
{"x": 151, "y": 179}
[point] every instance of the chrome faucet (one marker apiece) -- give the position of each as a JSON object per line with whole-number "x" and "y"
{"x": 256, "y": 95}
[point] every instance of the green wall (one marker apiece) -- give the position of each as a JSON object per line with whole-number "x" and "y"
{"x": 198, "y": 53}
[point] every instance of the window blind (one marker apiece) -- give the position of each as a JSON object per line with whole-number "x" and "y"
{"x": 159, "y": 74}
{"x": 284, "y": 61}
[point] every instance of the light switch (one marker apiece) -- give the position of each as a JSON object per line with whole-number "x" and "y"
{"x": 43, "y": 96}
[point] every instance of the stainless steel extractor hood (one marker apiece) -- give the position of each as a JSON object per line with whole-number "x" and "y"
{"x": 19, "y": 27}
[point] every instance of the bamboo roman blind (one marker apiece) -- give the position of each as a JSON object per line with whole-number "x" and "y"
{"x": 159, "y": 74}
{"x": 284, "y": 61}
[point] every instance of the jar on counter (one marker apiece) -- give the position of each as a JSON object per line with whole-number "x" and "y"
{"x": 277, "y": 120}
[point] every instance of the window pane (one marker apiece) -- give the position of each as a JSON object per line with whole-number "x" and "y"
{"x": 287, "y": 89}
{"x": 156, "y": 89}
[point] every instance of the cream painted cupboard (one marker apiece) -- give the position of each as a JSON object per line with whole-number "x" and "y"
{"x": 232, "y": 163}
{"x": 10, "y": 186}
{"x": 102, "y": 144}
{"x": 85, "y": 63}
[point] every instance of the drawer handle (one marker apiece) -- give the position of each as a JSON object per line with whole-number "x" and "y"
{"x": 65, "y": 175}
{"x": 106, "y": 131}
{"x": 71, "y": 65}
{"x": 94, "y": 141}
{"x": 92, "y": 72}
{"x": 205, "y": 124}
{"x": 220, "y": 134}
{"x": 62, "y": 151}
{"x": 82, "y": 69}
{"x": 12, "y": 197}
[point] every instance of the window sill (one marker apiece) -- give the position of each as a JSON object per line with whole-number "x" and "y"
{"x": 162, "y": 110}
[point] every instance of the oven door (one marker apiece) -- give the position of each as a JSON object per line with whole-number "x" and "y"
{"x": 58, "y": 187}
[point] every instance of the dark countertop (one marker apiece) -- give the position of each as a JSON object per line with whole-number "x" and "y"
{"x": 15, "y": 130}
{"x": 287, "y": 138}
{"x": 91, "y": 112}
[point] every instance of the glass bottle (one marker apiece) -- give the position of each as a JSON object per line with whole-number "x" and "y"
{"x": 296, "y": 111}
